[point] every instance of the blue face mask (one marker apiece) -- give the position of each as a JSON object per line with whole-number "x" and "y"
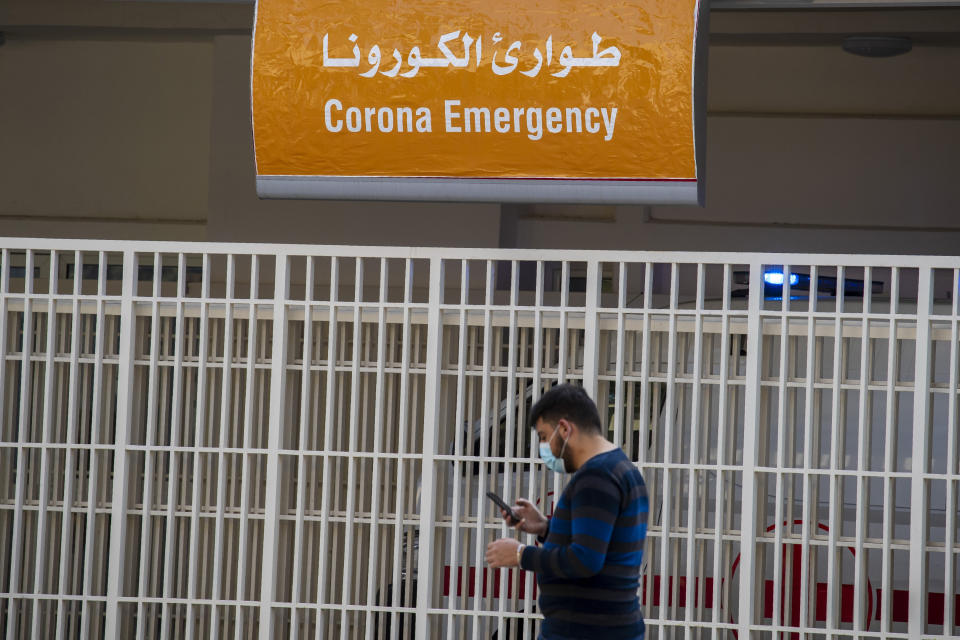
{"x": 553, "y": 462}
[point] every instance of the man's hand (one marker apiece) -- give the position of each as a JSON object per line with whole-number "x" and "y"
{"x": 502, "y": 553}
{"x": 531, "y": 520}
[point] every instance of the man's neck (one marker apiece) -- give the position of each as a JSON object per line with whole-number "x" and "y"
{"x": 591, "y": 446}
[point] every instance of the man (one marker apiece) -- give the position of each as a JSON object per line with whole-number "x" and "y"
{"x": 589, "y": 565}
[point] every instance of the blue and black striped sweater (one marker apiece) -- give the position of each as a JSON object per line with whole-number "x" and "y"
{"x": 588, "y": 568}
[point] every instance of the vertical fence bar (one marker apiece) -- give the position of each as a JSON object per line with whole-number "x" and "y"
{"x": 536, "y": 382}
{"x": 71, "y": 454}
{"x": 918, "y": 467}
{"x": 199, "y": 417}
{"x": 890, "y": 451}
{"x": 303, "y": 444}
{"x": 378, "y": 459}
{"x": 666, "y": 503}
{"x": 562, "y": 349}
{"x": 619, "y": 425}
{"x": 118, "y": 520}
{"x": 23, "y": 426}
{"x": 225, "y": 404}
{"x": 562, "y": 341}
{"x": 718, "y": 519}
{"x": 889, "y": 456}
{"x": 431, "y": 416}
{"x": 454, "y": 582}
{"x": 404, "y": 415}
{"x": 645, "y": 367}
{"x": 836, "y": 443}
{"x": 863, "y": 427}
{"x": 693, "y": 578}
{"x": 46, "y": 452}
{"x": 247, "y": 430}
{"x": 751, "y": 427}
{"x": 96, "y": 414}
{"x": 949, "y": 577}
{"x": 509, "y": 448}
{"x": 809, "y": 509}
{"x": 353, "y": 428}
{"x": 146, "y": 526}
{"x": 591, "y": 334}
{"x": 485, "y": 420}
{"x": 278, "y": 385}
{"x": 175, "y": 455}
{"x": 306, "y": 442}
{"x": 645, "y": 416}
{"x": 779, "y": 463}
{"x": 340, "y": 463}
{"x": 328, "y": 430}
{"x": 4, "y": 328}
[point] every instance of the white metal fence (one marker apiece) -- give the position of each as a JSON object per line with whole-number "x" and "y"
{"x": 203, "y": 440}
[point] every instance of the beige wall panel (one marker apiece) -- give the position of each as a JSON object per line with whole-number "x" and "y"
{"x": 826, "y": 79}
{"x": 106, "y": 128}
{"x": 830, "y": 171}
{"x": 790, "y": 184}
{"x": 187, "y": 14}
{"x": 101, "y": 229}
{"x": 836, "y": 21}
{"x": 631, "y": 231}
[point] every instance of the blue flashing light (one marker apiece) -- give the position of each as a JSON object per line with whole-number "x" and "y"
{"x": 776, "y": 278}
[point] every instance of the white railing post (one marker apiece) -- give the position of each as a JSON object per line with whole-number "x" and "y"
{"x": 919, "y": 457}
{"x": 748, "y": 521}
{"x": 23, "y": 426}
{"x": 431, "y": 416}
{"x": 278, "y": 379}
{"x": 591, "y": 335}
{"x": 121, "y": 480}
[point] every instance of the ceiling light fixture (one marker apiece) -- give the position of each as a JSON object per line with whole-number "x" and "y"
{"x": 877, "y": 46}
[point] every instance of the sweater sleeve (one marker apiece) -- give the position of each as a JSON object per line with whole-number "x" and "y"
{"x": 543, "y": 538}
{"x": 594, "y": 508}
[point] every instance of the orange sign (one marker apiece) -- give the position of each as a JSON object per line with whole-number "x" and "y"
{"x": 504, "y": 98}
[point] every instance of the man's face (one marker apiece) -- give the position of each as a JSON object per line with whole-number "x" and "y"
{"x": 548, "y": 433}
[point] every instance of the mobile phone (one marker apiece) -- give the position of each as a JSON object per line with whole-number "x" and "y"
{"x": 503, "y": 505}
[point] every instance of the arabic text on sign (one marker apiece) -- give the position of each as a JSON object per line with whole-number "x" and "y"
{"x": 608, "y": 57}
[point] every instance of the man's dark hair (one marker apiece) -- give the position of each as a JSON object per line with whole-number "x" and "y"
{"x": 570, "y": 402}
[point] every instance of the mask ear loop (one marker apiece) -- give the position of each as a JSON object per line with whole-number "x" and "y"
{"x": 562, "y": 449}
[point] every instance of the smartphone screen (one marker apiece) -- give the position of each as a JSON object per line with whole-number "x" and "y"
{"x": 503, "y": 505}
